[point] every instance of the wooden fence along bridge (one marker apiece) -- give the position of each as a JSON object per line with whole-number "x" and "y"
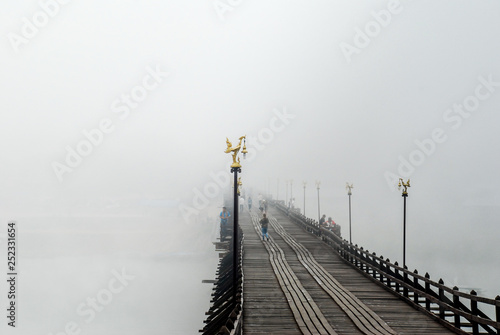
{"x": 308, "y": 280}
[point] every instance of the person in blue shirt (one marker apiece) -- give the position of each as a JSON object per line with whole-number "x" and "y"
{"x": 224, "y": 216}
{"x": 264, "y": 223}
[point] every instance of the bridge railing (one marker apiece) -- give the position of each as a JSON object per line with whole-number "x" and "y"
{"x": 456, "y": 310}
{"x": 225, "y": 315}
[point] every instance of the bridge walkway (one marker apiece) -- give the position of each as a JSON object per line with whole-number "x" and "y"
{"x": 279, "y": 294}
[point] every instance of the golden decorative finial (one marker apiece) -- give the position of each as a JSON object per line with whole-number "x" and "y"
{"x": 349, "y": 188}
{"x": 235, "y": 150}
{"x": 404, "y": 185}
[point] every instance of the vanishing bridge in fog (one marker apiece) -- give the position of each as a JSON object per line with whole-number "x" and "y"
{"x": 308, "y": 280}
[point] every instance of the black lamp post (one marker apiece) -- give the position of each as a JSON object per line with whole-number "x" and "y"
{"x": 304, "y": 183}
{"x": 404, "y": 195}
{"x": 349, "y": 193}
{"x": 235, "y": 168}
{"x": 317, "y": 186}
{"x": 286, "y": 193}
{"x": 277, "y": 189}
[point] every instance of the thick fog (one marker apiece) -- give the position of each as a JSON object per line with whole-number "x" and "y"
{"x": 114, "y": 118}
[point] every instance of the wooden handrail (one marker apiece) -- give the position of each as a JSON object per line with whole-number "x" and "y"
{"x": 424, "y": 290}
{"x": 226, "y": 316}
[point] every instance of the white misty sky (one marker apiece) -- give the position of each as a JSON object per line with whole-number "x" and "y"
{"x": 353, "y": 120}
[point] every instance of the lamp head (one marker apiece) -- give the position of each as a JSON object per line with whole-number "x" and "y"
{"x": 244, "y": 151}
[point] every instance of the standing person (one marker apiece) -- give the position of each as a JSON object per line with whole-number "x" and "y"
{"x": 224, "y": 216}
{"x": 330, "y": 224}
{"x": 322, "y": 220}
{"x": 264, "y": 206}
{"x": 249, "y": 203}
{"x": 264, "y": 223}
{"x": 242, "y": 202}
{"x": 260, "y": 200}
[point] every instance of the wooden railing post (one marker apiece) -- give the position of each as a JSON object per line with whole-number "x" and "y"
{"x": 441, "y": 299}
{"x": 396, "y": 272}
{"x": 427, "y": 291}
{"x": 356, "y": 254}
{"x": 387, "y": 271}
{"x": 474, "y": 310}
{"x": 363, "y": 259}
{"x": 381, "y": 269}
{"x": 497, "y": 311}
{"x": 345, "y": 250}
{"x": 405, "y": 281}
{"x": 349, "y": 249}
{"x": 374, "y": 265}
{"x": 415, "y": 286}
{"x": 456, "y": 304}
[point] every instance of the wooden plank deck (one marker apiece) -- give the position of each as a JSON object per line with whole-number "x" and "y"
{"x": 267, "y": 311}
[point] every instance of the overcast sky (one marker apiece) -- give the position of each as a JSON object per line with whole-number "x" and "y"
{"x": 122, "y": 108}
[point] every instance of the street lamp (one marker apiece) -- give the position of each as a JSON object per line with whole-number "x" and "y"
{"x": 304, "y": 183}
{"x": 269, "y": 187}
{"x": 286, "y": 193}
{"x": 404, "y": 195}
{"x": 349, "y": 193}
{"x": 235, "y": 168}
{"x": 277, "y": 189}
{"x": 317, "y": 186}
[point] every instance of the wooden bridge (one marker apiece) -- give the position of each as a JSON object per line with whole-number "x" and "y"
{"x": 307, "y": 280}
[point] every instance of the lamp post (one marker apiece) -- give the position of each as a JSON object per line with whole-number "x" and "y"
{"x": 286, "y": 193}
{"x": 235, "y": 168}
{"x": 404, "y": 195}
{"x": 277, "y": 189}
{"x": 269, "y": 187}
{"x": 304, "y": 183}
{"x": 349, "y": 193}
{"x": 317, "y": 186}
{"x": 291, "y": 192}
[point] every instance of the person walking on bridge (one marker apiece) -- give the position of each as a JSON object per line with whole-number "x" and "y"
{"x": 330, "y": 223}
{"x": 224, "y": 216}
{"x": 322, "y": 220}
{"x": 242, "y": 203}
{"x": 264, "y": 206}
{"x": 264, "y": 223}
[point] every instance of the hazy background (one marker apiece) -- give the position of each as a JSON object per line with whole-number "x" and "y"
{"x": 145, "y": 199}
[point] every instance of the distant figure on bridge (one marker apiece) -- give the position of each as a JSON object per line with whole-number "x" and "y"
{"x": 330, "y": 223}
{"x": 249, "y": 203}
{"x": 242, "y": 203}
{"x": 260, "y": 200}
{"x": 263, "y": 207}
{"x": 224, "y": 216}
{"x": 322, "y": 221}
{"x": 264, "y": 223}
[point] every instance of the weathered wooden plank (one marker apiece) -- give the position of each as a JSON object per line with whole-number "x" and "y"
{"x": 303, "y": 307}
{"x": 399, "y": 315}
